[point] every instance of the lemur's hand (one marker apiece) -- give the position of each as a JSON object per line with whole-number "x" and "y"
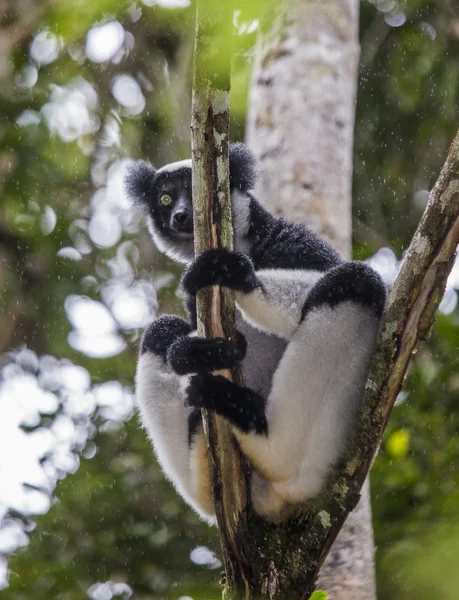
{"x": 162, "y": 333}
{"x": 220, "y": 266}
{"x": 203, "y": 355}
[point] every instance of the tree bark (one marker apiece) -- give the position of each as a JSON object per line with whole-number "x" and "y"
{"x": 301, "y": 127}
{"x": 213, "y": 229}
{"x": 301, "y": 113}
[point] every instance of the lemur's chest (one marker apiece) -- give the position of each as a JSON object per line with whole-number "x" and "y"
{"x": 264, "y": 352}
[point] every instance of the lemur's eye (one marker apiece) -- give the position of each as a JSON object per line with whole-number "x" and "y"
{"x": 165, "y": 200}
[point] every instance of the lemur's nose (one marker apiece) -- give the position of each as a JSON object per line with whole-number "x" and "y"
{"x": 180, "y": 217}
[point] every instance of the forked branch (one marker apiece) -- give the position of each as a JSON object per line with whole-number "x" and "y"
{"x": 261, "y": 559}
{"x": 409, "y": 316}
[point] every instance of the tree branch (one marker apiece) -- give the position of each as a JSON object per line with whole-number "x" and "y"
{"x": 409, "y": 316}
{"x": 213, "y": 229}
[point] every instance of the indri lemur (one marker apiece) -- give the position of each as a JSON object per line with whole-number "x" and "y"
{"x": 307, "y": 322}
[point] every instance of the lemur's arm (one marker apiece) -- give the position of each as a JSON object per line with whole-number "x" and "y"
{"x": 270, "y": 299}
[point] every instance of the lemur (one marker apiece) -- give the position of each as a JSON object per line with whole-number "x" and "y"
{"x": 307, "y": 323}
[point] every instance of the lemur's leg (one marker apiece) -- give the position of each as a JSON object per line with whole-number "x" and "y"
{"x": 160, "y": 396}
{"x": 175, "y": 429}
{"x": 271, "y": 299}
{"x": 275, "y": 305}
{"x": 316, "y": 390}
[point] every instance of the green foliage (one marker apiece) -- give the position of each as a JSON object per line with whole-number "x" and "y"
{"x": 406, "y": 114}
{"x": 424, "y": 566}
{"x": 398, "y": 443}
{"x": 319, "y": 595}
{"x": 116, "y": 519}
{"x": 123, "y": 522}
{"x": 72, "y": 20}
{"x": 418, "y": 484}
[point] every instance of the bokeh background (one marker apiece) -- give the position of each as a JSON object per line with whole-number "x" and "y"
{"x": 86, "y": 86}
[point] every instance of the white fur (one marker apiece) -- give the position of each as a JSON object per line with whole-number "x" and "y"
{"x": 276, "y": 306}
{"x": 311, "y": 407}
{"x": 160, "y": 396}
{"x": 311, "y": 403}
{"x": 311, "y": 372}
{"x": 241, "y": 221}
{"x": 176, "y": 166}
{"x": 182, "y": 249}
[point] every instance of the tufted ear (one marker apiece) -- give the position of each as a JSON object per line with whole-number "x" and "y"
{"x": 243, "y": 168}
{"x": 139, "y": 182}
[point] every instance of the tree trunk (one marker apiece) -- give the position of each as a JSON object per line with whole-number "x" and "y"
{"x": 301, "y": 127}
{"x": 213, "y": 229}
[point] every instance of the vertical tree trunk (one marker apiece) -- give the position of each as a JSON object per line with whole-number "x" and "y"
{"x": 213, "y": 229}
{"x": 301, "y": 126}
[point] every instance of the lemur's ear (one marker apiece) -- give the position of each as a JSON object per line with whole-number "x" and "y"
{"x": 243, "y": 168}
{"x": 138, "y": 183}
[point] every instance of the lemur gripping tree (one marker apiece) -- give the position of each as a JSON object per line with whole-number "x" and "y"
{"x": 241, "y": 548}
{"x": 307, "y": 324}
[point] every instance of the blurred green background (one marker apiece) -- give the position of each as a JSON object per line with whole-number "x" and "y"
{"x": 85, "y": 87}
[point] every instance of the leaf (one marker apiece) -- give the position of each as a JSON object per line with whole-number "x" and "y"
{"x": 398, "y": 443}
{"x": 319, "y": 595}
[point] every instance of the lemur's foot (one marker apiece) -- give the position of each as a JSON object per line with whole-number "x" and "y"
{"x": 220, "y": 266}
{"x": 244, "y": 408}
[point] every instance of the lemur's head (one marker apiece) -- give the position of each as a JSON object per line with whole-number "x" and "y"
{"x": 165, "y": 197}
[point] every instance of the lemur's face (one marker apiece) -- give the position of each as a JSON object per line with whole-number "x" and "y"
{"x": 170, "y": 203}
{"x": 165, "y": 197}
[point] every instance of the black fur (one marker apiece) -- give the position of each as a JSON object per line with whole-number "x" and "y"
{"x": 281, "y": 245}
{"x": 243, "y": 407}
{"x": 177, "y": 184}
{"x": 145, "y": 185}
{"x": 139, "y": 182}
{"x": 190, "y": 304}
{"x": 274, "y": 242}
{"x": 220, "y": 266}
{"x": 268, "y": 243}
{"x": 194, "y": 424}
{"x": 242, "y": 167}
{"x": 354, "y": 281}
{"x": 198, "y": 355}
{"x": 162, "y": 333}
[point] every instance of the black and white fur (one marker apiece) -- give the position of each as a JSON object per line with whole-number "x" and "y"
{"x": 307, "y": 323}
